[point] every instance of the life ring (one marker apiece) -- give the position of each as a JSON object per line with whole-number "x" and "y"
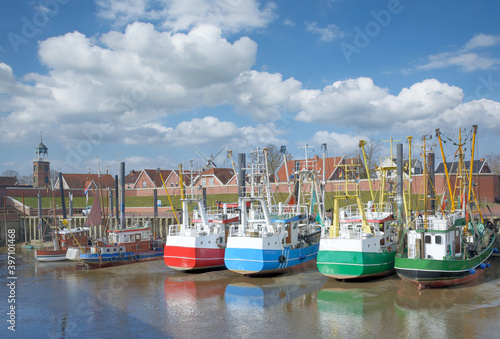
{"x": 113, "y": 258}
{"x": 75, "y": 242}
{"x": 282, "y": 259}
{"x": 121, "y": 256}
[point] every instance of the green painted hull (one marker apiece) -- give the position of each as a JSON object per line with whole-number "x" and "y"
{"x": 440, "y": 273}
{"x": 354, "y": 265}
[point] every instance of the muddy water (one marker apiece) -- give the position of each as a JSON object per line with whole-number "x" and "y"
{"x": 150, "y": 300}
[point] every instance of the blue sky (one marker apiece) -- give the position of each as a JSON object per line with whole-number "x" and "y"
{"x": 146, "y": 81}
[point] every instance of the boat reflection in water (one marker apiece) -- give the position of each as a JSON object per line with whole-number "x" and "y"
{"x": 451, "y": 312}
{"x": 265, "y": 292}
{"x": 194, "y": 303}
{"x": 345, "y": 308}
{"x": 190, "y": 288}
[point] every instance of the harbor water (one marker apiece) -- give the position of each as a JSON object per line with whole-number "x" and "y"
{"x": 55, "y": 300}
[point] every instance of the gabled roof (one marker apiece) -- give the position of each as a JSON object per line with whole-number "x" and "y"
{"x": 131, "y": 178}
{"x": 224, "y": 175}
{"x": 186, "y": 176}
{"x": 480, "y": 166}
{"x": 155, "y": 176}
{"x": 8, "y": 181}
{"x": 316, "y": 163}
{"x": 81, "y": 181}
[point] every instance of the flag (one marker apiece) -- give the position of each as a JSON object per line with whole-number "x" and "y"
{"x": 87, "y": 188}
{"x": 357, "y": 180}
{"x": 86, "y": 192}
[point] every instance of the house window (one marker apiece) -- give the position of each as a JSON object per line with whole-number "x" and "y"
{"x": 46, "y": 168}
{"x": 427, "y": 239}
{"x": 35, "y": 168}
{"x": 202, "y": 182}
{"x": 34, "y": 179}
{"x": 297, "y": 165}
{"x": 211, "y": 182}
{"x": 144, "y": 184}
{"x": 171, "y": 184}
{"x": 46, "y": 180}
{"x": 437, "y": 240}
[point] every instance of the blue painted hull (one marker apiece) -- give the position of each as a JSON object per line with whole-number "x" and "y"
{"x": 262, "y": 262}
{"x": 114, "y": 259}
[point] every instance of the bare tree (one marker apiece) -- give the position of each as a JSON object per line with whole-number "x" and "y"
{"x": 10, "y": 173}
{"x": 25, "y": 180}
{"x": 372, "y": 149}
{"x": 493, "y": 161}
{"x": 275, "y": 157}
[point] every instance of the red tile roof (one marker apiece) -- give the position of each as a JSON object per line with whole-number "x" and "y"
{"x": 81, "y": 181}
{"x": 315, "y": 163}
{"x": 224, "y": 175}
{"x": 8, "y": 181}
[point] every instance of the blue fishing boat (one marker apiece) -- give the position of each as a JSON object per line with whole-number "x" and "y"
{"x": 273, "y": 238}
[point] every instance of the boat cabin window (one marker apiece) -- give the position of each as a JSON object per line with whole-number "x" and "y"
{"x": 137, "y": 237}
{"x": 381, "y": 226}
{"x": 437, "y": 240}
{"x": 427, "y": 239}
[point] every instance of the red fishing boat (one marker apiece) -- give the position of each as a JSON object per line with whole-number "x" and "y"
{"x": 125, "y": 246}
{"x": 200, "y": 244}
{"x": 65, "y": 238}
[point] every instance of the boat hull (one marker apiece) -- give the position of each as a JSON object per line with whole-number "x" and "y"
{"x": 51, "y": 255}
{"x": 344, "y": 265}
{"x": 256, "y": 261}
{"x": 193, "y": 258}
{"x": 430, "y": 273}
{"x": 94, "y": 260}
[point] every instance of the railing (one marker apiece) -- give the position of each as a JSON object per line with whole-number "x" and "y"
{"x": 354, "y": 232}
{"x": 193, "y": 230}
{"x": 372, "y": 211}
{"x": 286, "y": 211}
{"x": 437, "y": 222}
{"x": 259, "y": 230}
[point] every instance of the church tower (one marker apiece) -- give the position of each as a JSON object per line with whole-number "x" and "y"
{"x": 41, "y": 166}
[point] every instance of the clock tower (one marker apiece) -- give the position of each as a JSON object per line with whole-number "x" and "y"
{"x": 41, "y": 166}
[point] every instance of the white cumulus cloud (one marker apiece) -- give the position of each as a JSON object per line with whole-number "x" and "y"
{"x": 467, "y": 58}
{"x": 183, "y": 15}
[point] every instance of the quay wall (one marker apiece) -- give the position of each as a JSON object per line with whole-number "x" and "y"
{"x": 32, "y": 228}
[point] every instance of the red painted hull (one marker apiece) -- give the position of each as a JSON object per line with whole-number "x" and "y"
{"x": 51, "y": 255}
{"x": 444, "y": 283}
{"x": 191, "y": 258}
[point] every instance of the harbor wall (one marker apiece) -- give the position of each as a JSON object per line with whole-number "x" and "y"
{"x": 32, "y": 228}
